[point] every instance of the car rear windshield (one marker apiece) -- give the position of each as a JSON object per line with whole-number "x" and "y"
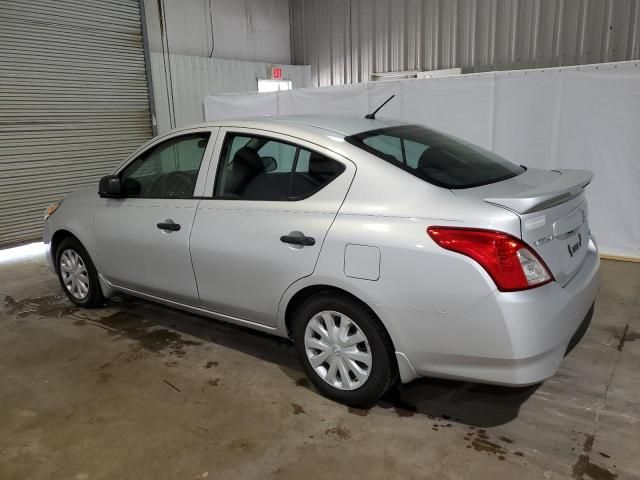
{"x": 435, "y": 157}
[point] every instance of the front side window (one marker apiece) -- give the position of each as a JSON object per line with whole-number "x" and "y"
{"x": 168, "y": 170}
{"x": 435, "y": 157}
{"x": 261, "y": 168}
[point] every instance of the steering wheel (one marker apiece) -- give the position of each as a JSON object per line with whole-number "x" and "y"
{"x": 178, "y": 185}
{"x": 172, "y": 185}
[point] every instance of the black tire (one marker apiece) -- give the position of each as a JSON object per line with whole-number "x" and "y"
{"x": 384, "y": 370}
{"x": 93, "y": 297}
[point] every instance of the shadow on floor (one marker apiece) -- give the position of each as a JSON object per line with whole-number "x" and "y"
{"x": 160, "y": 329}
{"x": 468, "y": 403}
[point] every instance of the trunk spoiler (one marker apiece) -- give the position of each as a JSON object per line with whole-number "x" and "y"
{"x": 564, "y": 187}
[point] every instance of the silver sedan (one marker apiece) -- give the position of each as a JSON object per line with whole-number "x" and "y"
{"x": 385, "y": 250}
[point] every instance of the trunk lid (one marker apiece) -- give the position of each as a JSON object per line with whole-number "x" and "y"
{"x": 553, "y": 214}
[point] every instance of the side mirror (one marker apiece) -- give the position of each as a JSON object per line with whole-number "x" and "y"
{"x": 110, "y": 187}
{"x": 269, "y": 164}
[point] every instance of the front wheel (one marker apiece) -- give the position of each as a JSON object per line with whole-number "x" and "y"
{"x": 344, "y": 349}
{"x": 77, "y": 274}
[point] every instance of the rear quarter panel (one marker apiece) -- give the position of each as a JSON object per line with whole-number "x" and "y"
{"x": 390, "y": 210}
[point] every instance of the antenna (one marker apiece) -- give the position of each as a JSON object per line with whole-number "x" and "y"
{"x": 372, "y": 116}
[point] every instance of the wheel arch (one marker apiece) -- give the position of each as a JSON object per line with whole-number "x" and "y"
{"x": 62, "y": 233}
{"x": 305, "y": 292}
{"x": 307, "y": 289}
{"x": 57, "y": 237}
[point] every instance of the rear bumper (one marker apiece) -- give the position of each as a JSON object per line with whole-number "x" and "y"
{"x": 510, "y": 338}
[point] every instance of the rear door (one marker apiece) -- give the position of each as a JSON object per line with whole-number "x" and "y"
{"x": 261, "y": 226}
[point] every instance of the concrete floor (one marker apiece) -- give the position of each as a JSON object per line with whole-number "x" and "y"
{"x": 140, "y": 391}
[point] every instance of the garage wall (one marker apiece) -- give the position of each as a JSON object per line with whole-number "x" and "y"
{"x": 235, "y": 29}
{"x": 572, "y": 117}
{"x": 205, "y": 47}
{"x": 346, "y": 41}
{"x": 182, "y": 81}
{"x": 73, "y": 102}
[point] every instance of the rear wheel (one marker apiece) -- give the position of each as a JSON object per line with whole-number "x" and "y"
{"x": 77, "y": 274}
{"x": 344, "y": 349}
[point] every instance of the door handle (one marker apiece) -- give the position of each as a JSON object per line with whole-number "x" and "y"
{"x": 169, "y": 225}
{"x": 298, "y": 240}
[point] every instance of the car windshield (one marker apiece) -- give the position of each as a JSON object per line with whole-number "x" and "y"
{"x": 435, "y": 157}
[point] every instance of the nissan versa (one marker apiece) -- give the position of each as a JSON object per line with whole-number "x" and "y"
{"x": 384, "y": 250}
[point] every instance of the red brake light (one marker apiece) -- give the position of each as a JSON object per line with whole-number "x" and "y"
{"x": 509, "y": 261}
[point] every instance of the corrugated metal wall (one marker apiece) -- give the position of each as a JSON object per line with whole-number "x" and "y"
{"x": 180, "y": 83}
{"x": 254, "y": 30}
{"x": 345, "y": 41}
{"x": 74, "y": 101}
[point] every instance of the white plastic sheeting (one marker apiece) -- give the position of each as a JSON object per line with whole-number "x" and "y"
{"x": 569, "y": 117}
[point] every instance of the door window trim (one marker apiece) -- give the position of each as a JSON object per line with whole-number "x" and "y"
{"x": 231, "y": 132}
{"x": 205, "y": 163}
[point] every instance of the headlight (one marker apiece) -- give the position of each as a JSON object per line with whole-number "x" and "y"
{"x": 52, "y": 208}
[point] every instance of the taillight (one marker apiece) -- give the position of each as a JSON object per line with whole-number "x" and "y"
{"x": 509, "y": 261}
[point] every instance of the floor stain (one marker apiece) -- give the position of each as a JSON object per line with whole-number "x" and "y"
{"x": 626, "y": 337}
{"x": 599, "y": 473}
{"x": 360, "y": 412}
{"x": 303, "y": 382}
{"x": 211, "y": 364}
{"x": 148, "y": 335}
{"x": 104, "y": 377}
{"x": 241, "y": 444}
{"x": 297, "y": 409}
{"x": 480, "y": 441}
{"x": 55, "y": 306}
{"x": 584, "y": 466}
{"x": 340, "y": 432}
{"x": 623, "y": 337}
{"x": 213, "y": 382}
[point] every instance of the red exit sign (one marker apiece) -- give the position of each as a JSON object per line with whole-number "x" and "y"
{"x": 276, "y": 73}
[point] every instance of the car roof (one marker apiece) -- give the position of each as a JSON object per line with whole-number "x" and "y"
{"x": 332, "y": 124}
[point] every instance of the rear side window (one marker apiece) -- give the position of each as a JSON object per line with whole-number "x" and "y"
{"x": 261, "y": 168}
{"x": 435, "y": 157}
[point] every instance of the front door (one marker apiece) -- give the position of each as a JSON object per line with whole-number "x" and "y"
{"x": 142, "y": 239}
{"x": 264, "y": 224}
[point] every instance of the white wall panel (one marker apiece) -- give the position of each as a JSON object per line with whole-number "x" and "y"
{"x": 459, "y": 105}
{"x": 538, "y": 97}
{"x": 571, "y": 117}
{"x": 338, "y": 100}
{"x": 181, "y": 82}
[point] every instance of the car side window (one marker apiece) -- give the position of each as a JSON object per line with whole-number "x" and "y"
{"x": 168, "y": 170}
{"x": 413, "y": 151}
{"x": 263, "y": 168}
{"x": 397, "y": 149}
{"x": 387, "y": 145}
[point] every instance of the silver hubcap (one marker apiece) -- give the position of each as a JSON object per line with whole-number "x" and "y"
{"x": 74, "y": 274}
{"x": 338, "y": 350}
